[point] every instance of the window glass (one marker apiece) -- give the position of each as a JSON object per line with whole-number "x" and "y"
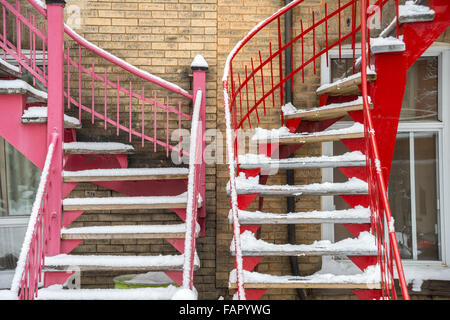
{"x": 420, "y": 102}
{"x": 19, "y": 180}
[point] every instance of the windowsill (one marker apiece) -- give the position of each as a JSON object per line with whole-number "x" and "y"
{"x": 416, "y": 272}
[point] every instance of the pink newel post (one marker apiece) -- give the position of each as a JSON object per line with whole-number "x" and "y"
{"x": 199, "y": 67}
{"x": 55, "y": 124}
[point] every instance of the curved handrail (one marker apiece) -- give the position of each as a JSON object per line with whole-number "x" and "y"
{"x": 370, "y": 135}
{"x": 193, "y": 195}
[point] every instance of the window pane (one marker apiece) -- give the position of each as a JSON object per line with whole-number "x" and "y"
{"x": 420, "y": 102}
{"x": 400, "y": 195}
{"x": 20, "y": 178}
{"x": 11, "y": 239}
{"x": 423, "y": 243}
{"x": 425, "y": 160}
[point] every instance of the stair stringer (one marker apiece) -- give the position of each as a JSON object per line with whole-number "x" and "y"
{"x": 419, "y": 36}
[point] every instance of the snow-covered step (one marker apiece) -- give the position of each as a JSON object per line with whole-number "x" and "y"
{"x": 412, "y": 12}
{"x": 126, "y": 203}
{"x": 349, "y": 159}
{"x": 127, "y": 232}
{"x": 353, "y": 186}
{"x": 347, "y": 86}
{"x": 8, "y": 70}
{"x": 387, "y": 44}
{"x": 369, "y": 279}
{"x": 97, "y": 148}
{"x": 18, "y": 86}
{"x": 330, "y": 111}
{"x": 127, "y": 174}
{"x": 39, "y": 115}
{"x": 284, "y": 137}
{"x": 364, "y": 245}
{"x": 57, "y": 293}
{"x": 119, "y": 263}
{"x": 358, "y": 215}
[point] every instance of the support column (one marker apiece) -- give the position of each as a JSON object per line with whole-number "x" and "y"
{"x": 199, "y": 67}
{"x": 55, "y": 122}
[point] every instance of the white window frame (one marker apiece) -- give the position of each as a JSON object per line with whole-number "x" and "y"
{"x": 442, "y": 51}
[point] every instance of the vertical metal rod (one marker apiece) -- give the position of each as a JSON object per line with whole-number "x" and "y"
{"x": 68, "y": 78}
{"x": 412, "y": 177}
{"x": 118, "y": 105}
{"x": 154, "y": 123}
{"x": 142, "y": 117}
{"x": 93, "y": 93}
{"x": 105, "y": 107}
{"x": 262, "y": 81}
{"x": 130, "y": 107}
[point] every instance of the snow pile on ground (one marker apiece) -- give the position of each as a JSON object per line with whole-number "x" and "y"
{"x": 185, "y": 294}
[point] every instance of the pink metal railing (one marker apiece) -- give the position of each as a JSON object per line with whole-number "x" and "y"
{"x": 16, "y": 30}
{"x": 43, "y": 232}
{"x": 28, "y": 272}
{"x": 249, "y": 92}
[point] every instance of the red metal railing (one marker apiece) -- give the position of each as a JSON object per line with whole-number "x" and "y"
{"x": 251, "y": 93}
{"x": 28, "y": 272}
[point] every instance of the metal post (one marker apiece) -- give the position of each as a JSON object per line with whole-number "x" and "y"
{"x": 55, "y": 122}
{"x": 199, "y": 68}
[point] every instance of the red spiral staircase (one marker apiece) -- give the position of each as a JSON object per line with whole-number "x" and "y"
{"x": 371, "y": 94}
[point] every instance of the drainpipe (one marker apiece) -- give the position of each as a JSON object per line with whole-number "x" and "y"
{"x": 290, "y": 174}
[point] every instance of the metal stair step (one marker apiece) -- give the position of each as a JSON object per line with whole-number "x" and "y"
{"x": 118, "y": 263}
{"x": 157, "y": 293}
{"x": 126, "y": 203}
{"x": 128, "y": 174}
{"x": 255, "y": 280}
{"x": 97, "y": 148}
{"x": 410, "y": 13}
{"x": 349, "y": 159}
{"x": 353, "y": 186}
{"x": 347, "y": 86}
{"x": 284, "y": 137}
{"x": 18, "y": 86}
{"x": 127, "y": 232}
{"x": 39, "y": 115}
{"x": 9, "y": 70}
{"x": 357, "y": 215}
{"x": 364, "y": 245}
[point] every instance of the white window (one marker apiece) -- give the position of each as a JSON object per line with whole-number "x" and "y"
{"x": 420, "y": 174}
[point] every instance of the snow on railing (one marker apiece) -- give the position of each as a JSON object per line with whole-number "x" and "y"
{"x": 194, "y": 185}
{"x": 250, "y": 89}
{"x": 28, "y": 272}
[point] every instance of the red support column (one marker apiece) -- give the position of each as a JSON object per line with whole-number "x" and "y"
{"x": 199, "y": 67}
{"x": 55, "y": 124}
